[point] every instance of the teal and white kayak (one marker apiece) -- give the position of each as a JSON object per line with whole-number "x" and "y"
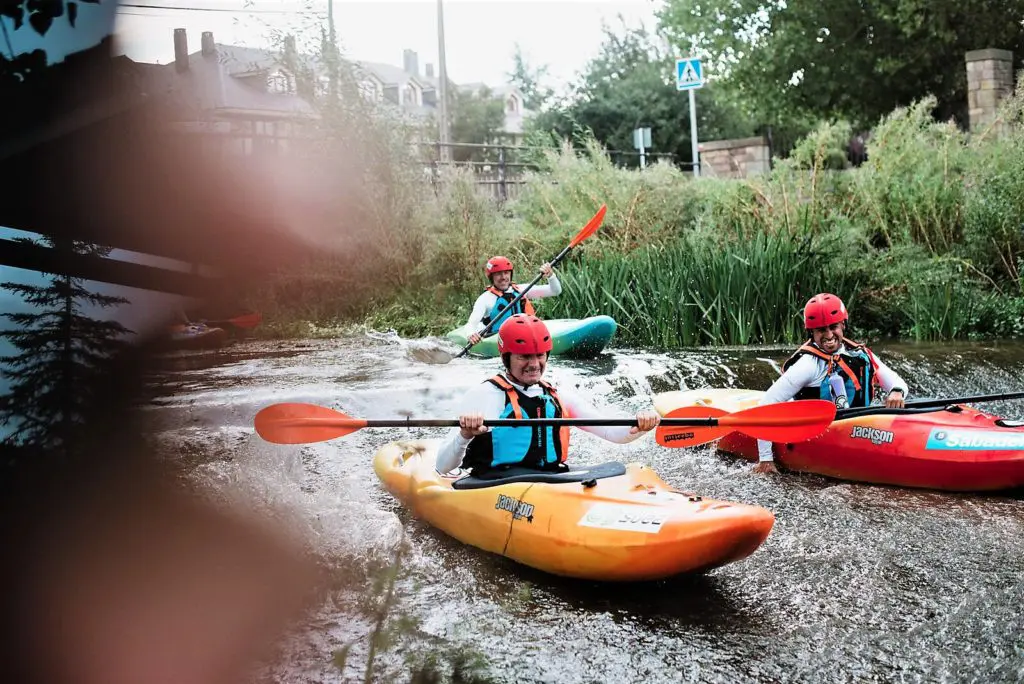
{"x": 572, "y": 337}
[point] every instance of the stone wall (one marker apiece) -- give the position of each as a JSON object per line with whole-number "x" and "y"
{"x": 741, "y": 158}
{"x": 989, "y": 80}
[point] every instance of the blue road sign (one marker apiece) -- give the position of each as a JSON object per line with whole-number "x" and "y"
{"x": 689, "y": 73}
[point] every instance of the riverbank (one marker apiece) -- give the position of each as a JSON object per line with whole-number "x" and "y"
{"x": 923, "y": 242}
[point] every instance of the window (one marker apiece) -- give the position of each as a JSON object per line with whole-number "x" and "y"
{"x": 409, "y": 95}
{"x": 278, "y": 82}
{"x": 512, "y": 105}
{"x": 368, "y": 89}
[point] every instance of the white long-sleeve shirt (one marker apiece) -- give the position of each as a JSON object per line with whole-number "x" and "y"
{"x": 489, "y": 401}
{"x": 810, "y": 371}
{"x": 485, "y": 302}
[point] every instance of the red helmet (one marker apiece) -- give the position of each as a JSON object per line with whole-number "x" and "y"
{"x": 523, "y": 334}
{"x": 823, "y": 310}
{"x": 496, "y": 264}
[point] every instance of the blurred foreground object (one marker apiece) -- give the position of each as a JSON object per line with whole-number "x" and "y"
{"x": 115, "y": 569}
{"x": 117, "y": 572}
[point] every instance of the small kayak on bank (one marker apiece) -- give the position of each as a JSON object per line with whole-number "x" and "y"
{"x": 195, "y": 337}
{"x": 570, "y": 337}
{"x": 607, "y": 522}
{"x": 245, "y": 321}
{"x": 954, "y": 448}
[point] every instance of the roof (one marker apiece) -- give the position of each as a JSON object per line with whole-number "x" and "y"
{"x": 497, "y": 91}
{"x": 208, "y": 86}
{"x": 389, "y": 74}
{"x": 240, "y": 61}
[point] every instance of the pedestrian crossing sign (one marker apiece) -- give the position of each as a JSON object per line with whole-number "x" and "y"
{"x": 689, "y": 73}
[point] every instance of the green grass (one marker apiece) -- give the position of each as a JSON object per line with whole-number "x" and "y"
{"x": 923, "y": 242}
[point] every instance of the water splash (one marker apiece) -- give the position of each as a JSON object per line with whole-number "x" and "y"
{"x": 854, "y": 583}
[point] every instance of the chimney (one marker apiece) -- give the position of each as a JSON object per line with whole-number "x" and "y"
{"x": 290, "y": 53}
{"x": 430, "y": 70}
{"x": 180, "y": 50}
{"x": 208, "y": 49}
{"x": 409, "y": 62}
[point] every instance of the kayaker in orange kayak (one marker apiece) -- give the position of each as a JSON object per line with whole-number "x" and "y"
{"x": 490, "y": 303}
{"x": 520, "y": 391}
{"x": 830, "y": 366}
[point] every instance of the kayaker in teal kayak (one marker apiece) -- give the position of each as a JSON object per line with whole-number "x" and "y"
{"x": 830, "y": 366}
{"x": 520, "y": 391}
{"x": 502, "y": 290}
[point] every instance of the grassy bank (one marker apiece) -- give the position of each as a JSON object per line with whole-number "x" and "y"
{"x": 923, "y": 241}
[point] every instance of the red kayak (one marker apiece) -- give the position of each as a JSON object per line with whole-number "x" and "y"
{"x": 242, "y": 322}
{"x": 955, "y": 448}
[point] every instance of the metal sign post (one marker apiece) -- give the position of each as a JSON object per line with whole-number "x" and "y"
{"x": 690, "y": 76}
{"x": 642, "y": 141}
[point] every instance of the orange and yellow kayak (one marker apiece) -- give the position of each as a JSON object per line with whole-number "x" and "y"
{"x": 956, "y": 448}
{"x": 608, "y": 522}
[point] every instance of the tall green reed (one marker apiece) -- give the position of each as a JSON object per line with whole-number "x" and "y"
{"x": 701, "y": 291}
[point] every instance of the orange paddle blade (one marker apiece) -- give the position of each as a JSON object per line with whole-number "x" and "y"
{"x": 591, "y": 227}
{"x": 792, "y": 421}
{"x": 295, "y": 423}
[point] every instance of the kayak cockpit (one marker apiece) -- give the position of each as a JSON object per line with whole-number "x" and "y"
{"x": 582, "y": 473}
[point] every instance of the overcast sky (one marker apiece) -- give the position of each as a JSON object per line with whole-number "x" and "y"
{"x": 480, "y": 35}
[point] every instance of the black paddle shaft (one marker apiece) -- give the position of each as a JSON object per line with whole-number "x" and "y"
{"x": 526, "y": 422}
{"x": 933, "y": 403}
{"x": 554, "y": 262}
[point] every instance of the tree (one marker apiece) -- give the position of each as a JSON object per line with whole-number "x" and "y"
{"x": 528, "y": 79}
{"x": 630, "y": 84}
{"x": 853, "y": 59}
{"x": 62, "y": 355}
{"x": 41, "y": 13}
{"x": 477, "y": 118}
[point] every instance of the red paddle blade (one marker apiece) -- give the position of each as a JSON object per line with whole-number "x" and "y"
{"x": 682, "y": 436}
{"x": 792, "y": 421}
{"x": 293, "y": 423}
{"x": 591, "y": 227}
{"x": 247, "y": 320}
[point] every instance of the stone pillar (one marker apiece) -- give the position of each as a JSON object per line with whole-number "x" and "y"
{"x": 734, "y": 158}
{"x": 989, "y": 80}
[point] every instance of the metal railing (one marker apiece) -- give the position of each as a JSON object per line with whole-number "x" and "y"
{"x": 498, "y": 166}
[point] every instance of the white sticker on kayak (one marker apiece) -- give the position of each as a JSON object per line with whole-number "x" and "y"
{"x": 626, "y": 518}
{"x": 974, "y": 440}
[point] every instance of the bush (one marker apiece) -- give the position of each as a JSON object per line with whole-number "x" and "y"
{"x": 922, "y": 241}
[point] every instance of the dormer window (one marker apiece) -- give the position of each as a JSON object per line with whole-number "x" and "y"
{"x": 512, "y": 105}
{"x": 369, "y": 91}
{"x": 409, "y": 95}
{"x": 279, "y": 82}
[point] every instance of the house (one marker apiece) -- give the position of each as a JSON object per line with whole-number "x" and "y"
{"x": 402, "y": 87}
{"x": 239, "y": 91}
{"x": 515, "y": 111}
{"x": 242, "y": 98}
{"x": 426, "y": 88}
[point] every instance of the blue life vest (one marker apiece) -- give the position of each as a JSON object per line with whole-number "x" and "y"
{"x": 856, "y": 366}
{"x": 524, "y": 305}
{"x": 542, "y": 447}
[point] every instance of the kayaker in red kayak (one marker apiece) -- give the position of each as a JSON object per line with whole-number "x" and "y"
{"x": 829, "y": 366}
{"x": 489, "y": 304}
{"x": 520, "y": 391}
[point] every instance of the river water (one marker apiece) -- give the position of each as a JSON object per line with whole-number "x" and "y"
{"x": 855, "y": 583}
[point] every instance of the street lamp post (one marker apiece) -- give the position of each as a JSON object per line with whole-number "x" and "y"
{"x": 443, "y": 79}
